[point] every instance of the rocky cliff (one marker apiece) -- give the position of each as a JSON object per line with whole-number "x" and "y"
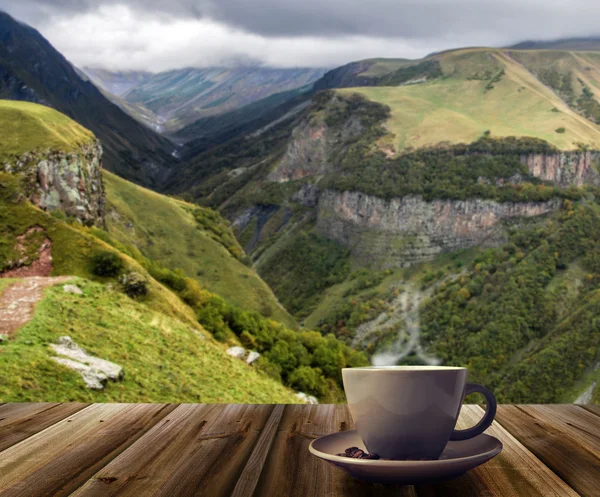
{"x": 565, "y": 168}
{"x": 67, "y": 181}
{"x": 403, "y": 231}
{"x": 311, "y": 146}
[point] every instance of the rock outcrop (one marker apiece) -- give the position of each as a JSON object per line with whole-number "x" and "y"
{"x": 250, "y": 356}
{"x": 403, "y": 231}
{"x": 94, "y": 371}
{"x": 311, "y": 144}
{"x": 69, "y": 182}
{"x": 565, "y": 168}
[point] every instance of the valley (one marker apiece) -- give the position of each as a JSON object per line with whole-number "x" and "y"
{"x": 444, "y": 210}
{"x": 170, "y": 101}
{"x": 372, "y": 168}
{"x": 164, "y": 327}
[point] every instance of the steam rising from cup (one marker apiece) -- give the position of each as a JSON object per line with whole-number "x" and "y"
{"x": 408, "y": 340}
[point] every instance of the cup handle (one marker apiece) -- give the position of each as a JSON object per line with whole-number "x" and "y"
{"x": 486, "y": 421}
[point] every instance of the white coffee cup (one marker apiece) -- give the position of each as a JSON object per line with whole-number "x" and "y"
{"x": 409, "y": 412}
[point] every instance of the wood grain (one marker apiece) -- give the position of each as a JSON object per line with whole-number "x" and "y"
{"x": 60, "y": 458}
{"x": 514, "y": 472}
{"x": 196, "y": 450}
{"x": 249, "y": 477}
{"x": 290, "y": 470}
{"x": 241, "y": 450}
{"x": 591, "y": 408}
{"x": 20, "y": 421}
{"x": 564, "y": 437}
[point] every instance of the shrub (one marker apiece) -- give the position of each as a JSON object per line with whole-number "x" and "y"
{"x": 308, "y": 380}
{"x": 247, "y": 340}
{"x": 175, "y": 280}
{"x": 105, "y": 263}
{"x": 10, "y": 187}
{"x": 560, "y": 130}
{"x": 269, "y": 368}
{"x": 134, "y": 284}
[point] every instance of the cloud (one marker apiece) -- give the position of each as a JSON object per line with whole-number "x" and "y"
{"x": 157, "y": 35}
{"x": 118, "y": 38}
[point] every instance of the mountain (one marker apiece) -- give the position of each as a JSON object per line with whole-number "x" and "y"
{"x": 468, "y": 179}
{"x": 184, "y": 236}
{"x": 572, "y": 44}
{"x": 129, "y": 276}
{"x": 116, "y": 83}
{"x": 170, "y": 100}
{"x": 32, "y": 70}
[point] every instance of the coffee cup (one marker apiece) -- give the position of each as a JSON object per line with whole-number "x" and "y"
{"x": 410, "y": 412}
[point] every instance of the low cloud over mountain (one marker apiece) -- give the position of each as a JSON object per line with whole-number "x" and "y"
{"x": 157, "y": 35}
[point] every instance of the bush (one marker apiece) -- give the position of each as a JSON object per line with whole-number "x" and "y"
{"x": 10, "y": 187}
{"x": 560, "y": 130}
{"x": 308, "y": 380}
{"x": 175, "y": 280}
{"x": 107, "y": 264}
{"x": 247, "y": 340}
{"x": 134, "y": 284}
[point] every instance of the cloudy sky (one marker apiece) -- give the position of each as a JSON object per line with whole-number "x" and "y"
{"x": 158, "y": 35}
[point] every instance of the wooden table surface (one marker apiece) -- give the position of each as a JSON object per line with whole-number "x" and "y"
{"x": 262, "y": 450}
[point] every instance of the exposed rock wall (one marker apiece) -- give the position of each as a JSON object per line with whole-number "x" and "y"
{"x": 403, "y": 231}
{"x": 312, "y": 143}
{"x": 565, "y": 168}
{"x": 70, "y": 182}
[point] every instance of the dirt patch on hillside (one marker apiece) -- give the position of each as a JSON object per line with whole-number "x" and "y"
{"x": 42, "y": 266}
{"x": 17, "y": 303}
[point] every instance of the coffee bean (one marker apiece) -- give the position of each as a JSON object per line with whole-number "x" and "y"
{"x": 371, "y": 456}
{"x": 356, "y": 453}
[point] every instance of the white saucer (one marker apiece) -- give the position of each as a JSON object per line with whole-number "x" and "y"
{"x": 457, "y": 458}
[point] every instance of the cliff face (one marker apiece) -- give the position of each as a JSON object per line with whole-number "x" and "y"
{"x": 565, "y": 168}
{"x": 403, "y": 231}
{"x": 312, "y": 144}
{"x": 70, "y": 182}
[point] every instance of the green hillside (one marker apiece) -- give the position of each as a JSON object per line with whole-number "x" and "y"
{"x": 168, "y": 331}
{"x": 141, "y": 325}
{"x": 25, "y": 127}
{"x": 381, "y": 67}
{"x": 181, "y": 235}
{"x": 164, "y": 359}
{"x": 495, "y": 90}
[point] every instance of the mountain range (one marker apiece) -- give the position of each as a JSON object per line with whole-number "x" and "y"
{"x": 171, "y": 100}
{"x": 440, "y": 210}
{"x": 32, "y": 70}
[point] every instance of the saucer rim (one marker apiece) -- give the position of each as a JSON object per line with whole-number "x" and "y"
{"x": 398, "y": 462}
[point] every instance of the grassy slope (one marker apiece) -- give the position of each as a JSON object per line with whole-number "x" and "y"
{"x": 71, "y": 250}
{"x": 163, "y": 358}
{"x": 25, "y": 127}
{"x": 381, "y": 67}
{"x": 457, "y": 109}
{"x": 164, "y": 230}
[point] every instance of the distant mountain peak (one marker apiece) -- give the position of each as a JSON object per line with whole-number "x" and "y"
{"x": 583, "y": 43}
{"x": 31, "y": 69}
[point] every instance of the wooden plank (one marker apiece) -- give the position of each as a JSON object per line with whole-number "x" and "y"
{"x": 591, "y": 408}
{"x": 59, "y": 459}
{"x": 19, "y": 421}
{"x": 514, "y": 472}
{"x": 249, "y": 478}
{"x": 290, "y": 470}
{"x": 565, "y": 437}
{"x": 196, "y": 450}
